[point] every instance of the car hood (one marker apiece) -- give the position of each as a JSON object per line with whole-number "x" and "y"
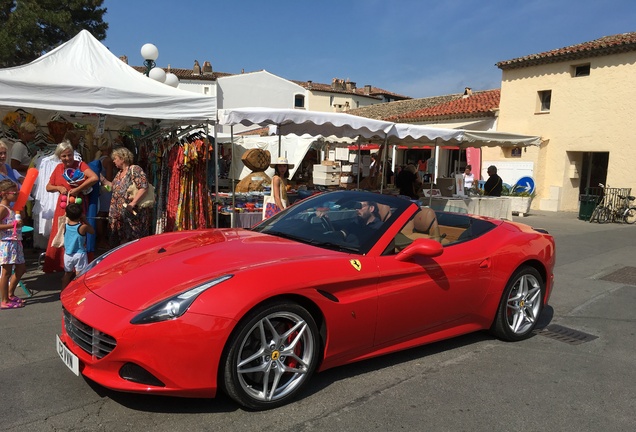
{"x": 158, "y": 267}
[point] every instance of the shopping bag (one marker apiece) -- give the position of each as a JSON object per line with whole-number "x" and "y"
{"x": 146, "y": 201}
{"x": 269, "y": 207}
{"x": 58, "y": 240}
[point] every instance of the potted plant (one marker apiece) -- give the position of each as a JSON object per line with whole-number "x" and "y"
{"x": 520, "y": 200}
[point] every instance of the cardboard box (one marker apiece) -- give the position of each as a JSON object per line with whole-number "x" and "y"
{"x": 326, "y": 179}
{"x": 326, "y": 169}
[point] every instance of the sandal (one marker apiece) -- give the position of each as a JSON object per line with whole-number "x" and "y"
{"x": 16, "y": 299}
{"x": 10, "y": 305}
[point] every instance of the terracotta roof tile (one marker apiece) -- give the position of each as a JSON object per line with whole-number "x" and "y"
{"x": 387, "y": 110}
{"x": 262, "y": 131}
{"x": 478, "y": 104}
{"x": 607, "y": 45}
{"x": 453, "y": 106}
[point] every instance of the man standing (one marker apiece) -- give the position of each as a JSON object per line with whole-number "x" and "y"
{"x": 20, "y": 154}
{"x": 494, "y": 184}
{"x": 408, "y": 182}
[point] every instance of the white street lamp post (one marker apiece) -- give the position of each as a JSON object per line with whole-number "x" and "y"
{"x": 150, "y": 53}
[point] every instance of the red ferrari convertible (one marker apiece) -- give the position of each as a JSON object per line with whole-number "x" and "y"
{"x": 337, "y": 278}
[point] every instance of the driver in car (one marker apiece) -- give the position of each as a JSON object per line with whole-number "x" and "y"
{"x": 368, "y": 218}
{"x": 368, "y": 214}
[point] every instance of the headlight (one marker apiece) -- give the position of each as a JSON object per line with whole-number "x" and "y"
{"x": 175, "y": 306}
{"x": 101, "y": 258}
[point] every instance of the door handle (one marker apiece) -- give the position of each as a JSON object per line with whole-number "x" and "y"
{"x": 485, "y": 263}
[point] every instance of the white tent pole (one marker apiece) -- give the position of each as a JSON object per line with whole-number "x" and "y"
{"x": 359, "y": 162}
{"x": 393, "y": 158}
{"x": 430, "y": 196}
{"x": 383, "y": 161}
{"x": 438, "y": 142}
{"x": 232, "y": 188}
{"x": 216, "y": 174}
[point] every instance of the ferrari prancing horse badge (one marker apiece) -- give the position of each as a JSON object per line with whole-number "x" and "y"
{"x": 356, "y": 264}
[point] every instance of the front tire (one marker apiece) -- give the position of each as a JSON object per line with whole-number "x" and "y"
{"x": 271, "y": 355}
{"x": 520, "y": 306}
{"x": 604, "y": 215}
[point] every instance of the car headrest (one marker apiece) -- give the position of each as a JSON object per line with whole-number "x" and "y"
{"x": 384, "y": 211}
{"x": 424, "y": 220}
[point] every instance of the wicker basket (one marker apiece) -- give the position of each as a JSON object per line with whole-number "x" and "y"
{"x": 256, "y": 159}
{"x": 255, "y": 182}
{"x": 57, "y": 129}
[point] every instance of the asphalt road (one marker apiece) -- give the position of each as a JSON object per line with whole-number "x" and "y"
{"x": 472, "y": 383}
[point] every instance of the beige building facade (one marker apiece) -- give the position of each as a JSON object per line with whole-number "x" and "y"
{"x": 344, "y": 95}
{"x": 581, "y": 100}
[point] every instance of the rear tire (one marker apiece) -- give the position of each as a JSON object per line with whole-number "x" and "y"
{"x": 630, "y": 216}
{"x": 520, "y": 306}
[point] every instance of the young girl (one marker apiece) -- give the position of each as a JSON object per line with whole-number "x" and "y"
{"x": 11, "y": 252}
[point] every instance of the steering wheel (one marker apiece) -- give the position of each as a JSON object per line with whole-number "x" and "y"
{"x": 326, "y": 224}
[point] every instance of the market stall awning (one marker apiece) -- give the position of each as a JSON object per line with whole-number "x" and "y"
{"x": 407, "y": 134}
{"x": 314, "y": 123}
{"x": 300, "y": 122}
{"x": 498, "y": 139}
{"x": 412, "y": 136}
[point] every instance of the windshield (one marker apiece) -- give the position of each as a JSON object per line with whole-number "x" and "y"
{"x": 347, "y": 221}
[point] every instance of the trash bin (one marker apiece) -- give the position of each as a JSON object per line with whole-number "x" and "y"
{"x": 587, "y": 205}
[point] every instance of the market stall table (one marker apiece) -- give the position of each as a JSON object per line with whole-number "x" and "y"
{"x": 495, "y": 207}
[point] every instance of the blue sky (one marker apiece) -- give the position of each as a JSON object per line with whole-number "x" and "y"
{"x": 417, "y": 48}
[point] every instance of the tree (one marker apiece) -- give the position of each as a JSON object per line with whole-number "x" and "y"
{"x": 30, "y": 28}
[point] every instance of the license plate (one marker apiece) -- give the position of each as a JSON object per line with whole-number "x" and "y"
{"x": 69, "y": 359}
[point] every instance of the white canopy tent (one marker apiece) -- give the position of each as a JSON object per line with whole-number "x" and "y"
{"x": 410, "y": 135}
{"x": 82, "y": 76}
{"x": 83, "y": 82}
{"x": 303, "y": 123}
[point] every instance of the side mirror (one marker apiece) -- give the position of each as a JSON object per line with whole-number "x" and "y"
{"x": 421, "y": 247}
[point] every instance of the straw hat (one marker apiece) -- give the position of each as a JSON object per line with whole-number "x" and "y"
{"x": 281, "y": 161}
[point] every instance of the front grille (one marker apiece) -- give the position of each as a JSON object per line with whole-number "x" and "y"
{"x": 94, "y": 342}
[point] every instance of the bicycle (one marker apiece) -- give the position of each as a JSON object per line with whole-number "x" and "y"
{"x": 601, "y": 207}
{"x": 624, "y": 213}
